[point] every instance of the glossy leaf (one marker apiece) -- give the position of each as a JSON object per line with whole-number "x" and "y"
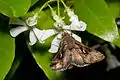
{"x": 7, "y": 50}
{"x": 45, "y": 22}
{"x": 14, "y": 8}
{"x": 14, "y": 67}
{"x": 114, "y": 7}
{"x": 43, "y": 59}
{"x": 33, "y": 2}
{"x": 98, "y": 18}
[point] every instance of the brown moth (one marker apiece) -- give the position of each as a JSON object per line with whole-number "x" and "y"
{"x": 73, "y": 53}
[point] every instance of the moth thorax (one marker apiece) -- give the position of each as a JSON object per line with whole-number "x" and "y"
{"x": 70, "y": 46}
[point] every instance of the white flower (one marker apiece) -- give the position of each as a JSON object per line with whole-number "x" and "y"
{"x": 41, "y": 35}
{"x": 59, "y": 24}
{"x": 16, "y": 31}
{"x": 75, "y": 23}
{"x": 31, "y": 21}
{"x": 55, "y": 43}
{"x": 35, "y": 34}
{"x": 58, "y": 21}
{"x": 57, "y": 18}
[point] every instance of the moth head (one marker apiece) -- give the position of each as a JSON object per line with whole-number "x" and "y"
{"x": 65, "y": 34}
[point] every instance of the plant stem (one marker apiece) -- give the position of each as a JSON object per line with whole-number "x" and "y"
{"x": 50, "y": 8}
{"x": 58, "y": 6}
{"x": 45, "y": 5}
{"x": 64, "y": 4}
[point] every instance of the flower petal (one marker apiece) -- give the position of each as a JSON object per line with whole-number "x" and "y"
{"x": 32, "y": 38}
{"x": 42, "y": 35}
{"x": 83, "y": 25}
{"x": 57, "y": 18}
{"x": 55, "y": 43}
{"x": 47, "y": 33}
{"x": 79, "y": 26}
{"x": 31, "y": 21}
{"x": 76, "y": 37}
{"x": 75, "y": 23}
{"x": 69, "y": 12}
{"x": 16, "y": 31}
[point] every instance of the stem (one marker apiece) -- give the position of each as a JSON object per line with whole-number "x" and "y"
{"x": 50, "y": 8}
{"x": 45, "y": 5}
{"x": 64, "y": 4}
{"x": 58, "y": 7}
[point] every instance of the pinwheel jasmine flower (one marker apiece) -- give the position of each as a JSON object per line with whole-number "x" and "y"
{"x": 58, "y": 21}
{"x": 59, "y": 24}
{"x": 35, "y": 34}
{"x": 75, "y": 23}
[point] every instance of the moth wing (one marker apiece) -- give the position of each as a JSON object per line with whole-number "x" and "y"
{"x": 93, "y": 57}
{"x": 61, "y": 61}
{"x": 77, "y": 59}
{"x": 90, "y": 55}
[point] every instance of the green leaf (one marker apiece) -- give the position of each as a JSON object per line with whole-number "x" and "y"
{"x": 43, "y": 59}
{"x": 114, "y": 7}
{"x": 33, "y": 2}
{"x": 7, "y": 50}
{"x": 14, "y": 67}
{"x": 14, "y": 8}
{"x": 117, "y": 42}
{"x": 99, "y": 20}
{"x": 45, "y": 21}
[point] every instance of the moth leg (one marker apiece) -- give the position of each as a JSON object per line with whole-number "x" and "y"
{"x": 70, "y": 66}
{"x": 95, "y": 46}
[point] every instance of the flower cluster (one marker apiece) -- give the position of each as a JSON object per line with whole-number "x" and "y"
{"x": 59, "y": 24}
{"x": 41, "y": 35}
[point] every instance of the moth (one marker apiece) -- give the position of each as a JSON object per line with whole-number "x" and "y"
{"x": 73, "y": 53}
